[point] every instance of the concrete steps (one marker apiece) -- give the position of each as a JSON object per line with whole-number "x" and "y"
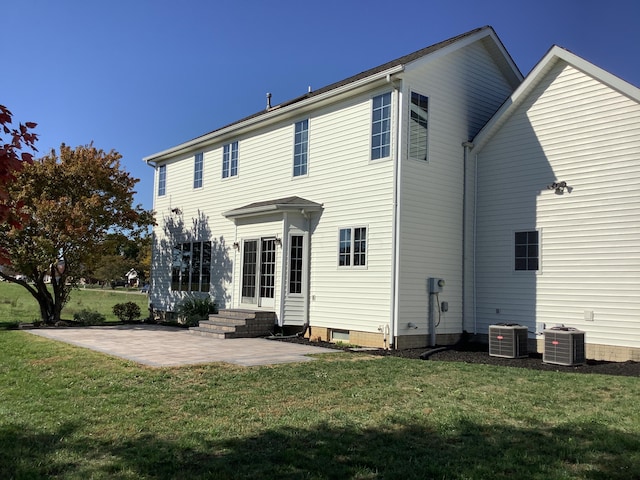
{"x": 236, "y": 323}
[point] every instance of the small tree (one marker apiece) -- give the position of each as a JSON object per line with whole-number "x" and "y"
{"x": 70, "y": 202}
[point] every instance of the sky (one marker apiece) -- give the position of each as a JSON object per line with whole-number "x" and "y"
{"x": 141, "y": 76}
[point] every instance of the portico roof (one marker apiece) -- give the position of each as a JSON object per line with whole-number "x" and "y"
{"x": 288, "y": 204}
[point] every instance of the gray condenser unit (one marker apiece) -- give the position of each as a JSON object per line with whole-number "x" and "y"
{"x": 564, "y": 346}
{"x": 508, "y": 340}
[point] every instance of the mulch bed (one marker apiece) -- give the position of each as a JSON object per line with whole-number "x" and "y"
{"x": 473, "y": 352}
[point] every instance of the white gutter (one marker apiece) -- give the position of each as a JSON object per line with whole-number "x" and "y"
{"x": 272, "y": 114}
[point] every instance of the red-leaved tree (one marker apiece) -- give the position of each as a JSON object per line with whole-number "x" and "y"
{"x": 12, "y": 158}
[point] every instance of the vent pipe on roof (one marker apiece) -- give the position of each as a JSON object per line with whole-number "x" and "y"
{"x": 268, "y": 101}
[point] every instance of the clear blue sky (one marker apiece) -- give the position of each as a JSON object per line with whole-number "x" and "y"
{"x": 140, "y": 76}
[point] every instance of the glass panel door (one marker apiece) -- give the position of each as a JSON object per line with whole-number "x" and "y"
{"x": 249, "y": 271}
{"x": 267, "y": 272}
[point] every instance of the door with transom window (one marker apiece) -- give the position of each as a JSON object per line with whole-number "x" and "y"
{"x": 259, "y": 272}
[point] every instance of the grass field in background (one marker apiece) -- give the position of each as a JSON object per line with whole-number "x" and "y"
{"x": 17, "y": 305}
{"x": 72, "y": 413}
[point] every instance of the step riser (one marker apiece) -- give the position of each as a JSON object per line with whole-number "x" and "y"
{"x": 236, "y": 324}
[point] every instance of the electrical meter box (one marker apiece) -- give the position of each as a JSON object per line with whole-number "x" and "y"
{"x": 436, "y": 285}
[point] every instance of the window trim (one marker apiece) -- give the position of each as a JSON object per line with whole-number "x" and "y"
{"x": 198, "y": 173}
{"x": 162, "y": 180}
{"x": 306, "y": 152}
{"x": 513, "y": 252}
{"x": 352, "y": 245}
{"x": 228, "y": 170}
{"x": 372, "y": 127}
{"x": 409, "y": 130}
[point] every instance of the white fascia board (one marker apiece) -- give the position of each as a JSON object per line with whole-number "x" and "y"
{"x": 274, "y": 114}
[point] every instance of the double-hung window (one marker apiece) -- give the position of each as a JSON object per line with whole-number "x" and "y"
{"x": 197, "y": 170}
{"x": 352, "y": 247}
{"x": 527, "y": 250}
{"x": 300, "y": 148}
{"x": 381, "y": 126}
{"x": 230, "y": 160}
{"x": 419, "y": 110}
{"x": 162, "y": 180}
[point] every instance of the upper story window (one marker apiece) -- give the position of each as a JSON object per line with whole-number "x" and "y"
{"x": 381, "y": 126}
{"x": 527, "y": 250}
{"x": 197, "y": 170}
{"x": 300, "y": 148}
{"x": 230, "y": 160}
{"x": 419, "y": 109}
{"x": 352, "y": 247}
{"x": 162, "y": 180}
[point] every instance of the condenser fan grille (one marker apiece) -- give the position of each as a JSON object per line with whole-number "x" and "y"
{"x": 564, "y": 346}
{"x": 508, "y": 340}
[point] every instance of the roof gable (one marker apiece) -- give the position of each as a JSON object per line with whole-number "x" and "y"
{"x": 537, "y": 74}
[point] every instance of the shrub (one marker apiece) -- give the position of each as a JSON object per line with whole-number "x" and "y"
{"x": 126, "y": 312}
{"x": 194, "y": 309}
{"x": 88, "y": 317}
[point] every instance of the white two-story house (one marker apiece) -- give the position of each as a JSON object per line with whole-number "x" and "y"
{"x": 335, "y": 209}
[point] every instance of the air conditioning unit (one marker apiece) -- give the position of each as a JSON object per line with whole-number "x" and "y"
{"x": 508, "y": 340}
{"x": 564, "y": 346}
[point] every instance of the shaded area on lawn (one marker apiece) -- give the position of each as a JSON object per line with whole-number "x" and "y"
{"x": 465, "y": 450}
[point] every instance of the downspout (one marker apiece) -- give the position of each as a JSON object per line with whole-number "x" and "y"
{"x": 284, "y": 251}
{"x": 307, "y": 277}
{"x": 475, "y": 240}
{"x": 466, "y": 147}
{"x": 395, "y": 237}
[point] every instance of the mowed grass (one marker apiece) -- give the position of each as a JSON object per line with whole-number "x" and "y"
{"x": 68, "y": 412}
{"x": 18, "y": 305}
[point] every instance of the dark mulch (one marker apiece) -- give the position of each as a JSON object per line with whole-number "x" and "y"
{"x": 474, "y": 352}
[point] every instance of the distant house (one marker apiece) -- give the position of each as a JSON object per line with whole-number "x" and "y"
{"x": 132, "y": 278}
{"x": 375, "y": 210}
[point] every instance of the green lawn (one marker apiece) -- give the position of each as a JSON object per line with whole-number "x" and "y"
{"x": 17, "y": 305}
{"x": 68, "y": 412}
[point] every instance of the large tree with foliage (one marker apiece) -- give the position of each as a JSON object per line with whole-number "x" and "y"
{"x": 70, "y": 202}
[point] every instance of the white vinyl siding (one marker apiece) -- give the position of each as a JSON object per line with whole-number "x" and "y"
{"x": 570, "y": 128}
{"x": 361, "y": 195}
{"x": 464, "y": 89}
